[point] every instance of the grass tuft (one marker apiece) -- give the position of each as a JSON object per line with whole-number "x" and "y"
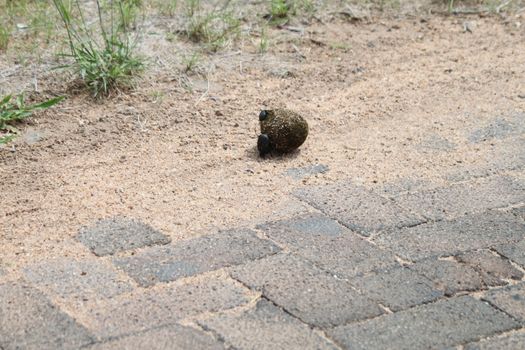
{"x": 14, "y": 109}
{"x": 104, "y": 58}
{"x": 4, "y": 38}
{"x": 213, "y": 27}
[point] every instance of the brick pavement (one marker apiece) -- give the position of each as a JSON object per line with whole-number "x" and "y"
{"x": 412, "y": 264}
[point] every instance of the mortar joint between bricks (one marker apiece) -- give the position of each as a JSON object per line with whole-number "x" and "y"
{"x": 214, "y": 334}
{"x": 325, "y": 336}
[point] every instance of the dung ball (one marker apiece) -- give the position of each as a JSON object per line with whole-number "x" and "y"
{"x": 282, "y": 130}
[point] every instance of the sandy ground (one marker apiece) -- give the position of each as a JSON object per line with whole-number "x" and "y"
{"x": 385, "y": 99}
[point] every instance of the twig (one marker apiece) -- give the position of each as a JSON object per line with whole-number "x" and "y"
{"x": 298, "y": 52}
{"x": 206, "y": 93}
{"x": 502, "y": 5}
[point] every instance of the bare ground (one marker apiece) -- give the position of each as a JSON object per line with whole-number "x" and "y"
{"x": 385, "y": 99}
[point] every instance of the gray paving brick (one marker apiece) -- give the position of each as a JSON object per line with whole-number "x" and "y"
{"x": 449, "y": 276}
{"x": 28, "y": 320}
{"x": 300, "y": 173}
{"x": 265, "y": 327}
{"x": 436, "y": 143}
{"x": 499, "y": 128}
{"x": 194, "y": 256}
{"x": 358, "y": 208}
{"x": 410, "y": 184}
{"x": 513, "y": 251}
{"x": 398, "y": 288}
{"x": 432, "y": 326}
{"x": 514, "y": 341}
{"x": 452, "y": 237}
{"x": 154, "y": 307}
{"x": 109, "y": 236}
{"x": 464, "y": 198}
{"x": 328, "y": 244}
{"x": 312, "y": 295}
{"x": 510, "y": 299}
{"x": 77, "y": 280}
{"x": 504, "y": 156}
{"x": 520, "y": 212}
{"x": 165, "y": 338}
{"x": 492, "y": 268}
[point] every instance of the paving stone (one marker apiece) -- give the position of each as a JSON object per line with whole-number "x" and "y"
{"x": 28, "y": 320}
{"x": 310, "y": 294}
{"x": 410, "y": 184}
{"x": 449, "y": 276}
{"x": 154, "y": 307}
{"x": 77, "y": 280}
{"x": 329, "y": 245}
{"x": 358, "y": 208}
{"x": 498, "y": 128}
{"x": 265, "y": 327}
{"x": 452, "y": 237}
{"x": 398, "y": 288}
{"x": 510, "y": 299}
{"x": 520, "y": 212}
{"x": 515, "y": 341}
{"x": 300, "y": 173}
{"x": 464, "y": 198}
{"x": 109, "y": 236}
{"x": 503, "y": 156}
{"x": 492, "y": 268}
{"x": 195, "y": 256}
{"x": 432, "y": 326}
{"x": 436, "y": 143}
{"x": 513, "y": 251}
{"x": 165, "y": 338}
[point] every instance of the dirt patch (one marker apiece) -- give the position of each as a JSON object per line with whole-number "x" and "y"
{"x": 385, "y": 99}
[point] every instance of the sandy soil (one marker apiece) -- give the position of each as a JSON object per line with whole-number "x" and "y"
{"x": 375, "y": 94}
